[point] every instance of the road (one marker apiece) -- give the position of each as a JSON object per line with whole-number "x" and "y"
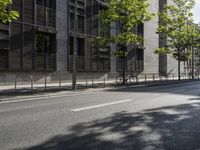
{"x": 147, "y": 118}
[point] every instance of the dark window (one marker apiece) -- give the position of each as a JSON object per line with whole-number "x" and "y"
{"x": 140, "y": 55}
{"x": 27, "y": 47}
{"x": 71, "y": 45}
{"x": 28, "y": 9}
{"x": 45, "y": 43}
{"x": 40, "y": 2}
{"x": 140, "y": 29}
{"x": 45, "y": 57}
{"x": 72, "y": 1}
{"x": 80, "y": 46}
{"x": 81, "y": 24}
{"x": 16, "y": 46}
{"x": 71, "y": 21}
{"x": 46, "y": 3}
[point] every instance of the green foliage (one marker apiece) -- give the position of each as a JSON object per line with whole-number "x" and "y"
{"x": 7, "y": 15}
{"x": 176, "y": 23}
{"x": 128, "y": 14}
{"x": 120, "y": 53}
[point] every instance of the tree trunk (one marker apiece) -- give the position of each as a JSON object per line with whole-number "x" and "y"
{"x": 179, "y": 70}
{"x": 124, "y": 71}
{"x": 192, "y": 63}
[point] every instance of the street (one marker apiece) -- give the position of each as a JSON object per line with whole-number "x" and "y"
{"x": 163, "y": 117}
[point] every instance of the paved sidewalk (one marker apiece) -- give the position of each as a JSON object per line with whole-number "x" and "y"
{"x": 67, "y": 85}
{"x": 22, "y": 95}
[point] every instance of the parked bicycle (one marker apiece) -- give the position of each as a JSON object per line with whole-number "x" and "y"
{"x": 128, "y": 78}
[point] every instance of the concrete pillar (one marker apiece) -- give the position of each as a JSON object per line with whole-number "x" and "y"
{"x": 62, "y": 34}
{"x": 151, "y": 41}
{"x": 113, "y": 60}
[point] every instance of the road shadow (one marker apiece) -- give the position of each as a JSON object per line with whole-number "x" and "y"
{"x": 166, "y": 128}
{"x": 194, "y": 99}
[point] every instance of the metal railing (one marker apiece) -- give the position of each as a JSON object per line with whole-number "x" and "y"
{"x": 24, "y": 76}
{"x": 55, "y": 81}
{"x": 52, "y": 75}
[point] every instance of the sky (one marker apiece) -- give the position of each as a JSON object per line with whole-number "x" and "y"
{"x": 196, "y": 12}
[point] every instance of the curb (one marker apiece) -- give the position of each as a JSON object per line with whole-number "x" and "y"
{"x": 91, "y": 90}
{"x": 157, "y": 83}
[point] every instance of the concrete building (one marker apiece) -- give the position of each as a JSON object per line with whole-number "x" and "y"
{"x": 41, "y": 41}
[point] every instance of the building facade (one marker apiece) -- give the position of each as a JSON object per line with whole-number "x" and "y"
{"x": 41, "y": 40}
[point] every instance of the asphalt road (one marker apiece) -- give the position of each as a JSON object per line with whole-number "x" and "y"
{"x": 146, "y": 118}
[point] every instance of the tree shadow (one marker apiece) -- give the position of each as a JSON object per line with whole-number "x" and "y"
{"x": 194, "y": 99}
{"x": 165, "y": 128}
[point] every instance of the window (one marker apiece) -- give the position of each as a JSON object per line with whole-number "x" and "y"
{"x": 80, "y": 24}
{"x": 40, "y": 2}
{"x": 71, "y": 45}
{"x": 140, "y": 29}
{"x": 46, "y": 3}
{"x": 71, "y": 21}
{"x": 80, "y": 46}
{"x": 45, "y": 43}
{"x": 140, "y": 54}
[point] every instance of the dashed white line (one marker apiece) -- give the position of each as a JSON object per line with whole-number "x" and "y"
{"x": 100, "y": 105}
{"x": 179, "y": 91}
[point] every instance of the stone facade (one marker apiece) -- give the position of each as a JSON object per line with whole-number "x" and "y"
{"x": 152, "y": 63}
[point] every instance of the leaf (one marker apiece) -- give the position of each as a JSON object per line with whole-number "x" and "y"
{"x": 7, "y": 15}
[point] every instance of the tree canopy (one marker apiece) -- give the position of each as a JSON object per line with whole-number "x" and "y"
{"x": 176, "y": 22}
{"x": 7, "y": 15}
{"x": 128, "y": 14}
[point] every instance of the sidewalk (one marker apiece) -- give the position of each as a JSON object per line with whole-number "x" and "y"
{"x": 27, "y": 87}
{"x": 10, "y": 95}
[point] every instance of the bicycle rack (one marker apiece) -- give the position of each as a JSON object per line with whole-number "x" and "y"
{"x": 173, "y": 76}
{"x": 51, "y": 75}
{"x": 25, "y": 76}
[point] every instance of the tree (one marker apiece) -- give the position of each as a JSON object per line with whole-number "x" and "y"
{"x": 128, "y": 14}
{"x": 7, "y": 15}
{"x": 195, "y": 45}
{"x": 176, "y": 23}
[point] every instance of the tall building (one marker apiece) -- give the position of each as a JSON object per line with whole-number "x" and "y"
{"x": 41, "y": 40}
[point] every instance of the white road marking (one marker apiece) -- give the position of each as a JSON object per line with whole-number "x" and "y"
{"x": 100, "y": 105}
{"x": 178, "y": 91}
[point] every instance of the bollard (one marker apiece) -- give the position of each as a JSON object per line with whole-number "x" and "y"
{"x": 153, "y": 77}
{"x": 86, "y": 81}
{"x": 145, "y": 76}
{"x": 59, "y": 82}
{"x": 31, "y": 82}
{"x": 92, "y": 81}
{"x": 45, "y": 83}
{"x": 104, "y": 79}
{"x": 15, "y": 84}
